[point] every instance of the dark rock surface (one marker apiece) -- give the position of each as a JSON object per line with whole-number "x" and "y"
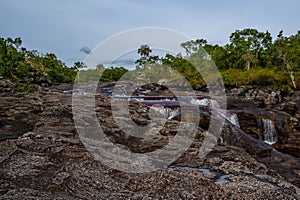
{"x": 283, "y": 108}
{"x": 42, "y": 157}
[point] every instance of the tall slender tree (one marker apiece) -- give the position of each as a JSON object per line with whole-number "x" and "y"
{"x": 144, "y": 50}
{"x": 287, "y": 50}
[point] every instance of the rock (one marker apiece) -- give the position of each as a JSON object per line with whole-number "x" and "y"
{"x": 261, "y": 97}
{"x": 249, "y": 123}
{"x": 6, "y": 85}
{"x": 234, "y": 102}
{"x": 289, "y": 106}
{"x": 60, "y": 177}
{"x": 49, "y": 161}
{"x": 290, "y": 144}
{"x": 234, "y": 136}
{"x": 18, "y": 115}
{"x": 282, "y": 108}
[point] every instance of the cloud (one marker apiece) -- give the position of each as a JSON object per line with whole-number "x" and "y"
{"x": 85, "y": 50}
{"x": 90, "y": 22}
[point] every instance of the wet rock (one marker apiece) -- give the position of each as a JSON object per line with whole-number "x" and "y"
{"x": 282, "y": 108}
{"x": 235, "y": 102}
{"x": 236, "y": 137}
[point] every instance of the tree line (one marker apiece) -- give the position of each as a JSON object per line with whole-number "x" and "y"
{"x": 250, "y": 48}
{"x": 29, "y": 68}
{"x": 251, "y": 58}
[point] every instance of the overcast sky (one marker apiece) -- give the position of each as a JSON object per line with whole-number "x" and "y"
{"x": 66, "y": 26}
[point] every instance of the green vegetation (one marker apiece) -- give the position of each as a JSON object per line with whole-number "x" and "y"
{"x": 255, "y": 59}
{"x": 30, "y": 68}
{"x": 111, "y": 74}
{"x": 257, "y": 77}
{"x": 250, "y": 59}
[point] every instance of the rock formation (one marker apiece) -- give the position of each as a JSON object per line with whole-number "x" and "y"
{"x": 42, "y": 156}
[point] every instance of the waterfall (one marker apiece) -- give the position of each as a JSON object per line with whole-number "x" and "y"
{"x": 232, "y": 117}
{"x": 168, "y": 113}
{"x": 200, "y": 102}
{"x": 206, "y": 102}
{"x": 214, "y": 104}
{"x": 268, "y": 130}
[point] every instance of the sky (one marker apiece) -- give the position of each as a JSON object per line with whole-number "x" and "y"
{"x": 69, "y": 28}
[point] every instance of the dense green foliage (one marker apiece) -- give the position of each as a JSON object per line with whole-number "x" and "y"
{"x": 250, "y": 59}
{"x": 258, "y": 60}
{"x": 111, "y": 74}
{"x": 30, "y": 68}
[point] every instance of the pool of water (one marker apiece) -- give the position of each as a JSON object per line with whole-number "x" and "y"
{"x": 217, "y": 177}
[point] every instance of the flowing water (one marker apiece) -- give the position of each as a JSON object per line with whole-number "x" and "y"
{"x": 268, "y": 130}
{"x": 168, "y": 105}
{"x": 168, "y": 113}
{"x": 217, "y": 177}
{"x": 231, "y": 117}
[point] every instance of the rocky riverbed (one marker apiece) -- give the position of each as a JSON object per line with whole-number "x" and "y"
{"x": 43, "y": 157}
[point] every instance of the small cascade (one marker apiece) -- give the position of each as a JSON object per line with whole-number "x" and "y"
{"x": 214, "y": 104}
{"x": 231, "y": 117}
{"x": 200, "y": 102}
{"x": 167, "y": 112}
{"x": 206, "y": 102}
{"x": 268, "y": 130}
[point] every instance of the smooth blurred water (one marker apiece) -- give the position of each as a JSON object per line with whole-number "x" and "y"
{"x": 268, "y": 130}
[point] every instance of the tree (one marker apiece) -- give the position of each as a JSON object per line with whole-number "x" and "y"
{"x": 145, "y": 58}
{"x": 79, "y": 65}
{"x": 287, "y": 50}
{"x": 113, "y": 74}
{"x": 248, "y": 44}
{"x": 17, "y": 42}
{"x": 193, "y": 46}
{"x": 100, "y": 67}
{"x": 144, "y": 50}
{"x": 218, "y": 54}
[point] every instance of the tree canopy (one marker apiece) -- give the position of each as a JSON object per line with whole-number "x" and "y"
{"x": 29, "y": 67}
{"x": 251, "y": 58}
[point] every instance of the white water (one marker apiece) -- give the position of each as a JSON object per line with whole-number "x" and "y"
{"x": 200, "y": 102}
{"x": 268, "y": 130}
{"x": 206, "y": 102}
{"x": 231, "y": 117}
{"x": 79, "y": 92}
{"x": 214, "y": 104}
{"x": 168, "y": 113}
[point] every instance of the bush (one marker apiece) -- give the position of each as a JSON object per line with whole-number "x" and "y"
{"x": 257, "y": 77}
